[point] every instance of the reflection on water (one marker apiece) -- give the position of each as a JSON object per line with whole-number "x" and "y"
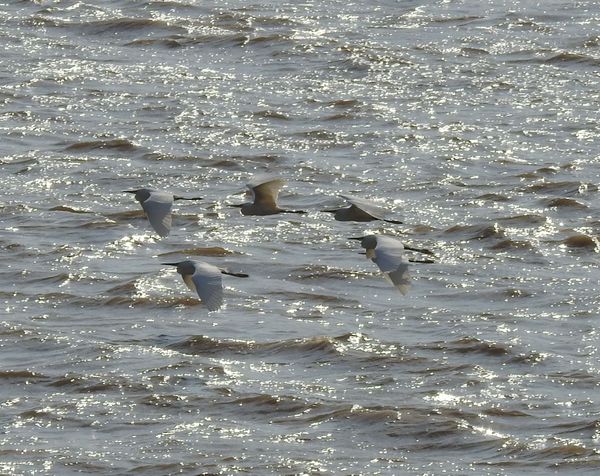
{"x": 474, "y": 124}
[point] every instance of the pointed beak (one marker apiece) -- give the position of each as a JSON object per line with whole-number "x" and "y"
{"x": 359, "y": 238}
{"x": 238, "y": 205}
{"x": 330, "y": 210}
{"x": 425, "y": 251}
{"x": 170, "y": 264}
{"x": 362, "y": 252}
{"x": 178, "y": 197}
{"x": 129, "y": 191}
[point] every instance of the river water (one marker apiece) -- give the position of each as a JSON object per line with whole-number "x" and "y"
{"x": 476, "y": 123}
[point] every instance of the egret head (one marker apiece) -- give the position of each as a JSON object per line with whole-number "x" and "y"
{"x": 185, "y": 268}
{"x": 247, "y": 208}
{"x": 342, "y": 214}
{"x": 141, "y": 195}
{"x": 368, "y": 242}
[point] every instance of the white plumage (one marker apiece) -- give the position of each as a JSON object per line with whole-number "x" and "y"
{"x": 388, "y": 254}
{"x": 158, "y": 211}
{"x": 206, "y": 280}
{"x": 157, "y": 205}
{"x": 264, "y": 190}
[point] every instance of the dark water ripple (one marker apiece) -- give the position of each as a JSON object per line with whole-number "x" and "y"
{"x": 473, "y": 123}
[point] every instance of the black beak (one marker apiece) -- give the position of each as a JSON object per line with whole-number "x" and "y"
{"x": 358, "y": 238}
{"x": 129, "y": 191}
{"x": 425, "y": 251}
{"x": 239, "y": 205}
{"x": 170, "y": 264}
{"x": 330, "y": 211}
{"x": 177, "y": 197}
{"x": 362, "y": 252}
{"x": 238, "y": 275}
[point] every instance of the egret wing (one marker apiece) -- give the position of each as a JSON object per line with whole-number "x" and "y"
{"x": 187, "y": 279}
{"x": 390, "y": 257}
{"x": 265, "y": 190}
{"x": 158, "y": 210}
{"x": 209, "y": 285}
{"x": 389, "y": 254}
{"x": 367, "y": 206}
{"x": 400, "y": 278}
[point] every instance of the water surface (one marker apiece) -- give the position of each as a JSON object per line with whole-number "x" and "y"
{"x": 474, "y": 123}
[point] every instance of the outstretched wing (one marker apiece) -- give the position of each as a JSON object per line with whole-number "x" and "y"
{"x": 209, "y": 285}
{"x": 389, "y": 253}
{"x": 390, "y": 258}
{"x": 158, "y": 210}
{"x": 367, "y": 206}
{"x": 265, "y": 190}
{"x": 400, "y": 278}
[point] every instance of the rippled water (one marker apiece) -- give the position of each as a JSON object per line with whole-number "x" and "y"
{"x": 476, "y": 123}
